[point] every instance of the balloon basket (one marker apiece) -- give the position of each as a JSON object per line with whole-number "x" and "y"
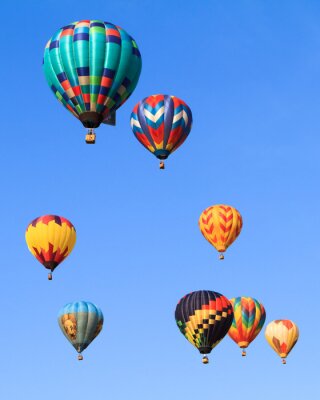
{"x": 205, "y": 360}
{"x": 49, "y": 276}
{"x": 80, "y": 357}
{"x": 90, "y": 137}
{"x": 161, "y": 166}
{"x": 284, "y": 362}
{"x": 243, "y": 353}
{"x": 221, "y": 256}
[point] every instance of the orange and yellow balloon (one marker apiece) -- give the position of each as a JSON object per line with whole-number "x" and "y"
{"x": 220, "y": 225}
{"x": 248, "y": 318}
{"x": 50, "y": 239}
{"x": 282, "y": 335}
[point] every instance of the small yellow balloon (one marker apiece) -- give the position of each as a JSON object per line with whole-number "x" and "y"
{"x": 282, "y": 335}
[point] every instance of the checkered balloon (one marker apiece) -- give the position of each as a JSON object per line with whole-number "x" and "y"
{"x": 92, "y": 68}
{"x": 204, "y": 318}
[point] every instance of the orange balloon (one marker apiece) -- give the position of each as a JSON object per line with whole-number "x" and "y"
{"x": 220, "y": 225}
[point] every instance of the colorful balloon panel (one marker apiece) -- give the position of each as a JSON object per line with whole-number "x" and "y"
{"x": 80, "y": 322}
{"x": 92, "y": 67}
{"x": 282, "y": 335}
{"x": 204, "y": 318}
{"x": 161, "y": 123}
{"x": 50, "y": 239}
{"x": 220, "y": 225}
{"x": 248, "y": 318}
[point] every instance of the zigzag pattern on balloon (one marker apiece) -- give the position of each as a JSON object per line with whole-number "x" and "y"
{"x": 161, "y": 123}
{"x": 220, "y": 225}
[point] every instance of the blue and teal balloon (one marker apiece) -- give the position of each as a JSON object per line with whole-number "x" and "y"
{"x": 92, "y": 67}
{"x": 80, "y": 322}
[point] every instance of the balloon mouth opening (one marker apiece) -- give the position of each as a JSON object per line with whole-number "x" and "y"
{"x": 221, "y": 249}
{"x": 162, "y": 154}
{"x": 91, "y": 119}
{"x": 50, "y": 265}
{"x": 205, "y": 350}
{"x": 243, "y": 345}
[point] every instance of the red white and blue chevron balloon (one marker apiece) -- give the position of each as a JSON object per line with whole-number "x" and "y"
{"x": 161, "y": 123}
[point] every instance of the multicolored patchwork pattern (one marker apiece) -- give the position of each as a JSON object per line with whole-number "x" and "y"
{"x": 50, "y": 239}
{"x": 220, "y": 225}
{"x": 204, "y": 318}
{"x": 248, "y": 318}
{"x": 80, "y": 322}
{"x": 161, "y": 123}
{"x": 92, "y": 66}
{"x": 282, "y": 335}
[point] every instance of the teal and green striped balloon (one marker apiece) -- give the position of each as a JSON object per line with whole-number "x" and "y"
{"x": 92, "y": 67}
{"x": 80, "y": 322}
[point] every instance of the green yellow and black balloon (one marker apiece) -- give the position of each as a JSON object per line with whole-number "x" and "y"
{"x": 204, "y": 318}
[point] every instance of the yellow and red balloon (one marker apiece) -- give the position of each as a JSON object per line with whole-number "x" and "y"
{"x": 50, "y": 239}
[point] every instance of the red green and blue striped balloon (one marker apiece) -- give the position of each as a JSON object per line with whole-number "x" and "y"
{"x": 161, "y": 123}
{"x": 92, "y": 67}
{"x": 248, "y": 320}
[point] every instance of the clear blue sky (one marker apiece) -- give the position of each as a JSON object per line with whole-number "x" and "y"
{"x": 250, "y": 71}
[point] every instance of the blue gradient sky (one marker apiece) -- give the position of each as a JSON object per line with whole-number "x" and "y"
{"x": 249, "y": 70}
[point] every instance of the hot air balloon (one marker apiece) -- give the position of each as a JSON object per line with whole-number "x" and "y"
{"x": 248, "y": 318}
{"x": 282, "y": 335}
{"x": 161, "y": 123}
{"x": 80, "y": 322}
{"x": 220, "y": 225}
{"x": 50, "y": 239}
{"x": 204, "y": 318}
{"x": 92, "y": 68}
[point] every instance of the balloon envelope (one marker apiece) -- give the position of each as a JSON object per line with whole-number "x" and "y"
{"x": 220, "y": 225}
{"x": 161, "y": 123}
{"x": 248, "y": 318}
{"x": 282, "y": 335}
{"x": 80, "y": 322}
{"x": 92, "y": 67}
{"x": 50, "y": 239}
{"x": 204, "y": 318}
